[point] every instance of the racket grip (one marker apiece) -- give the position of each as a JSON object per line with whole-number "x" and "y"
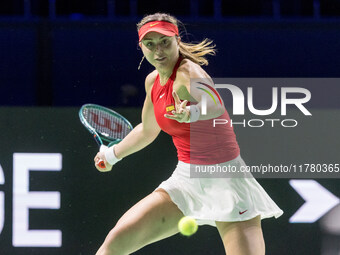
{"x": 101, "y": 164}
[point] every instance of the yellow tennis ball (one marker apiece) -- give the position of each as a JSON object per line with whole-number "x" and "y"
{"x": 187, "y": 226}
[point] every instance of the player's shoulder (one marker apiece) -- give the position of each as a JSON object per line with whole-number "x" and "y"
{"x": 188, "y": 69}
{"x": 185, "y": 66}
{"x": 150, "y": 80}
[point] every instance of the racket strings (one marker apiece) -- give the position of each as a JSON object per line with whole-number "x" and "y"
{"x": 108, "y": 125}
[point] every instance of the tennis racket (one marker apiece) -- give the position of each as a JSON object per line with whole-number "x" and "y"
{"x": 106, "y": 125}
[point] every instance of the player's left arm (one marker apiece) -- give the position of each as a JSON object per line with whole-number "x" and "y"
{"x": 185, "y": 92}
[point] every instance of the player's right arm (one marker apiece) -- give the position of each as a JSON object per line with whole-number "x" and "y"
{"x": 144, "y": 133}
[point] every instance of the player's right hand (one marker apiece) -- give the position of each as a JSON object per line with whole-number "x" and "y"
{"x": 100, "y": 157}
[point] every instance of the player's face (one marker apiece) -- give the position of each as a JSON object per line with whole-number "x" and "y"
{"x": 160, "y": 50}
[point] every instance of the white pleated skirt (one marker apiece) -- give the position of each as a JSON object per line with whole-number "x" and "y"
{"x": 219, "y": 199}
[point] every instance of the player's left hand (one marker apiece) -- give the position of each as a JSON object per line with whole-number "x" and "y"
{"x": 182, "y": 114}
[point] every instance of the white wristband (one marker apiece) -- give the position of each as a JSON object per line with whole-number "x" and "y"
{"x": 194, "y": 113}
{"x": 110, "y": 155}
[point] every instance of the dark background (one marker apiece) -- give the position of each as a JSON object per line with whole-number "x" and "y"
{"x": 73, "y": 52}
{"x": 76, "y": 52}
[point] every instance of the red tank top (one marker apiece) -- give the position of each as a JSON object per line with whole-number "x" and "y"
{"x": 198, "y": 142}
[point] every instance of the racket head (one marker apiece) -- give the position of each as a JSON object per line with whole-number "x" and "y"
{"x": 104, "y": 124}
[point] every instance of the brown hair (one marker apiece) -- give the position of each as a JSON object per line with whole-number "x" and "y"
{"x": 196, "y": 52}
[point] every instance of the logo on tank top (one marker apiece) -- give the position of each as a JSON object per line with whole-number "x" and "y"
{"x": 161, "y": 95}
{"x": 170, "y": 108}
{"x": 242, "y": 212}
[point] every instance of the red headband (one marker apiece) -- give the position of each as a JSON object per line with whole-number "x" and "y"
{"x": 162, "y": 27}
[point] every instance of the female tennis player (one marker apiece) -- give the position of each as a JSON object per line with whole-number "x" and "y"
{"x": 234, "y": 205}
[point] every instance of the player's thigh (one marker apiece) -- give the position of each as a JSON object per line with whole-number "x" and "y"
{"x": 242, "y": 237}
{"x": 153, "y": 218}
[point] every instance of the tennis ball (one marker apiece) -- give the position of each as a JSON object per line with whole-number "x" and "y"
{"x": 187, "y": 226}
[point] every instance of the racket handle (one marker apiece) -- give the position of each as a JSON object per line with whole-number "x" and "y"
{"x": 101, "y": 164}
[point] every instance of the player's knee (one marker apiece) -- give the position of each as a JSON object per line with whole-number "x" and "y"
{"x": 105, "y": 251}
{"x": 117, "y": 242}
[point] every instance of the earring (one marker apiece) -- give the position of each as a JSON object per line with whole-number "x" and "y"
{"x": 140, "y": 63}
